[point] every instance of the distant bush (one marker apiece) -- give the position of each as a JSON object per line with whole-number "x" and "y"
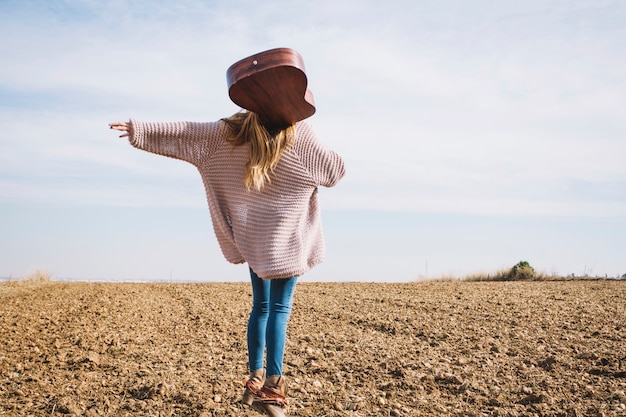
{"x": 522, "y": 271}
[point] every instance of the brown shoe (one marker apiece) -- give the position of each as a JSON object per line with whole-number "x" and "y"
{"x": 253, "y": 386}
{"x": 272, "y": 398}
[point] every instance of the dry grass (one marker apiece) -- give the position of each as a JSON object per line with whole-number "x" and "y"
{"x": 505, "y": 275}
{"x": 38, "y": 276}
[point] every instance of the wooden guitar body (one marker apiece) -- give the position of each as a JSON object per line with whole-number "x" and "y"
{"x": 272, "y": 84}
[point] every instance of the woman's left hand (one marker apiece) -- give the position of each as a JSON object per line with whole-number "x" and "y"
{"x": 122, "y": 127}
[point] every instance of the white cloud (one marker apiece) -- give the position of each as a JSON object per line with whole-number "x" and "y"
{"x": 458, "y": 105}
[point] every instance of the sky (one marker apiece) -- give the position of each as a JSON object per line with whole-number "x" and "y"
{"x": 476, "y": 134}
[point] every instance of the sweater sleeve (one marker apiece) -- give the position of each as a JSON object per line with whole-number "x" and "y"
{"x": 325, "y": 166}
{"x": 188, "y": 141}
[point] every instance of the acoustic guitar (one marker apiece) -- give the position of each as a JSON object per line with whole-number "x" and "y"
{"x": 272, "y": 84}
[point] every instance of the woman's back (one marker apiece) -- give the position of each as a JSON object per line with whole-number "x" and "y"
{"x": 277, "y": 230}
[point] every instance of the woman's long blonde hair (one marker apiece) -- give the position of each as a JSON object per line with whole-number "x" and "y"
{"x": 266, "y": 147}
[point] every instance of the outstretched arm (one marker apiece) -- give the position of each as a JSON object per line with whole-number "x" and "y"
{"x": 189, "y": 141}
{"x": 122, "y": 127}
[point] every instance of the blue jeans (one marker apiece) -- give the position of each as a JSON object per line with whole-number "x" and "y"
{"x": 267, "y": 325}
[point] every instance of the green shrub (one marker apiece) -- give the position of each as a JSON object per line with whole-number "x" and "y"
{"x": 521, "y": 271}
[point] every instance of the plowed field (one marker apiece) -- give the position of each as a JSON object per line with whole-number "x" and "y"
{"x": 354, "y": 349}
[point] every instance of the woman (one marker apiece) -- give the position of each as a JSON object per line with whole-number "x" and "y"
{"x": 261, "y": 188}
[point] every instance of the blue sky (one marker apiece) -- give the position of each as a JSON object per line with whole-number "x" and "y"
{"x": 476, "y": 134}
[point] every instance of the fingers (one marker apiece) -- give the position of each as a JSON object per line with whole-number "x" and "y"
{"x": 119, "y": 126}
{"x": 122, "y": 127}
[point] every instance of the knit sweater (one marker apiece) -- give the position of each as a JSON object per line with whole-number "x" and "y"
{"x": 278, "y": 230}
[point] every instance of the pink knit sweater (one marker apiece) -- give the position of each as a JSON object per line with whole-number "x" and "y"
{"x": 277, "y": 231}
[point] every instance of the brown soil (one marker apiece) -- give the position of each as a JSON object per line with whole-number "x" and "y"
{"x": 354, "y": 349}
